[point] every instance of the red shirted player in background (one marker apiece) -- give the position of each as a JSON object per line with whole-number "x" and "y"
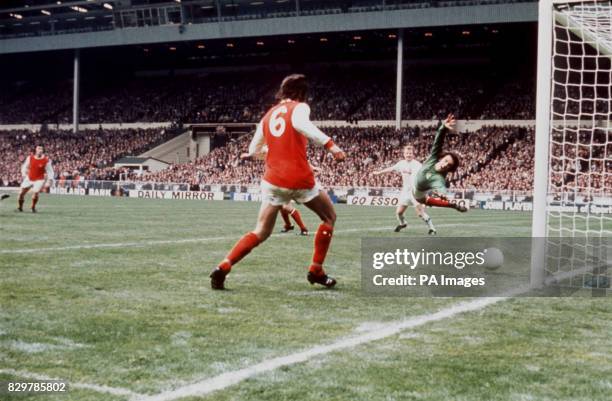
{"x": 33, "y": 170}
{"x": 288, "y": 211}
{"x": 285, "y": 130}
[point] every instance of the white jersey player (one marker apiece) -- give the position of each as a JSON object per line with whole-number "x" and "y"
{"x": 408, "y": 168}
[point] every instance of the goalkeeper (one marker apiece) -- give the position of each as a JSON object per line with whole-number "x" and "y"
{"x": 430, "y": 182}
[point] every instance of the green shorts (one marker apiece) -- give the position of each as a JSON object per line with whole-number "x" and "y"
{"x": 419, "y": 196}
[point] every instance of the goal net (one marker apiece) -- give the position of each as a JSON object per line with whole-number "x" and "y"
{"x": 573, "y": 182}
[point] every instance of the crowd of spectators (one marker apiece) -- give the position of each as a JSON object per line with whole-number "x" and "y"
{"x": 89, "y": 154}
{"x": 337, "y": 92}
{"x": 511, "y": 168}
{"x": 492, "y": 158}
{"x": 580, "y": 159}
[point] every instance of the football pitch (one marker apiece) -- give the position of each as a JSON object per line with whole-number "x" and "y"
{"x": 113, "y": 296}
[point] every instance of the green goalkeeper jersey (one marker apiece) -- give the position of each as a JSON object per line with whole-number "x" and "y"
{"x": 428, "y": 179}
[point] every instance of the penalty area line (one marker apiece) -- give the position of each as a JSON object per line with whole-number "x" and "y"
{"x": 86, "y": 386}
{"x": 231, "y": 378}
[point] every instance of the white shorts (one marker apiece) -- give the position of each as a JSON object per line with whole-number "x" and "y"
{"x": 35, "y": 185}
{"x": 278, "y": 196}
{"x": 406, "y": 198}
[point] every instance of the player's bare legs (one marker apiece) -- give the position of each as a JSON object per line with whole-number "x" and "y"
{"x": 34, "y": 201}
{"x": 324, "y": 208}
{"x": 399, "y": 213}
{"x": 285, "y": 212}
{"x": 263, "y": 229}
{"x": 21, "y": 198}
{"x": 265, "y": 221}
{"x": 419, "y": 208}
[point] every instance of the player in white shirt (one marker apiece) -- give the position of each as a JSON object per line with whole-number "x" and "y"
{"x": 408, "y": 167}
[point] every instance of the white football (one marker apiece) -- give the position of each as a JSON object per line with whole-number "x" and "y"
{"x": 493, "y": 258}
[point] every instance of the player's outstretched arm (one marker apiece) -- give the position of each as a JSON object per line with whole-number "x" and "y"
{"x": 383, "y": 171}
{"x": 300, "y": 120}
{"x": 261, "y": 155}
{"x": 257, "y": 147}
{"x": 314, "y": 168}
{"x": 448, "y": 124}
{"x": 335, "y": 150}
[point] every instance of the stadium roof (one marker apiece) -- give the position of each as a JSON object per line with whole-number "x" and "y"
{"x": 505, "y": 43}
{"x": 100, "y": 23}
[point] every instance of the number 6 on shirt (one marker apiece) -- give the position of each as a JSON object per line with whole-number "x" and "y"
{"x": 277, "y": 123}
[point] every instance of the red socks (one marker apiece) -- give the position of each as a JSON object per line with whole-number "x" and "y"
{"x": 322, "y": 240}
{"x": 298, "y": 219}
{"x": 285, "y": 216}
{"x": 296, "y": 216}
{"x": 249, "y": 241}
{"x": 431, "y": 201}
{"x": 239, "y": 251}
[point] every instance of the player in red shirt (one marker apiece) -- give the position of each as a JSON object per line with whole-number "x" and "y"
{"x": 36, "y": 171}
{"x": 288, "y": 211}
{"x": 285, "y": 131}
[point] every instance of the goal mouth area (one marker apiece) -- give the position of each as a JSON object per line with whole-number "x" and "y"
{"x": 572, "y": 169}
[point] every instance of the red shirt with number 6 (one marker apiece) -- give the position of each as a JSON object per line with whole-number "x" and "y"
{"x": 286, "y": 163}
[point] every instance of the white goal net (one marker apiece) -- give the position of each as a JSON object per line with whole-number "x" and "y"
{"x": 577, "y": 202}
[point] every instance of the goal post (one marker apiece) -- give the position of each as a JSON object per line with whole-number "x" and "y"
{"x": 572, "y": 205}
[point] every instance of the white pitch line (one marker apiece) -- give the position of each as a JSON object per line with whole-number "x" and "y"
{"x": 228, "y": 379}
{"x": 113, "y": 245}
{"x": 185, "y": 241}
{"x": 87, "y": 386}
{"x": 154, "y": 242}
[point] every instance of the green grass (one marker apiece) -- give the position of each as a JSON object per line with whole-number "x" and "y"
{"x": 142, "y": 316}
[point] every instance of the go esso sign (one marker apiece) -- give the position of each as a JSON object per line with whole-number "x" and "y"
{"x": 372, "y": 200}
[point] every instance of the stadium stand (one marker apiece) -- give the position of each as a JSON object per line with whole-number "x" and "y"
{"x": 229, "y": 97}
{"x": 88, "y": 153}
{"x": 486, "y": 155}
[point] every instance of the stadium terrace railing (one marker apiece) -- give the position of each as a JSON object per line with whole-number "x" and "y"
{"x": 171, "y": 13}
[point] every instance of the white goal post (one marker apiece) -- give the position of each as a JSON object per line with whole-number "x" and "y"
{"x": 573, "y": 149}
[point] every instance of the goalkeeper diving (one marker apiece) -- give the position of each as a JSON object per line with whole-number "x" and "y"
{"x": 430, "y": 182}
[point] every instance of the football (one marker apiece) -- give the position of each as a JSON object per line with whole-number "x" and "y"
{"x": 493, "y": 258}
